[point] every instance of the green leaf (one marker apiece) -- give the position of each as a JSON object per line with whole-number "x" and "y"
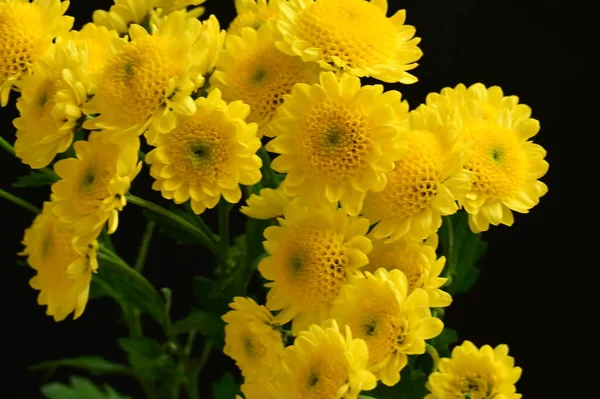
{"x": 172, "y": 229}
{"x": 462, "y": 249}
{"x": 225, "y": 388}
{"x": 80, "y": 388}
{"x": 36, "y": 178}
{"x": 205, "y": 323}
{"x": 411, "y": 385}
{"x": 117, "y": 282}
{"x": 96, "y": 365}
{"x": 443, "y": 341}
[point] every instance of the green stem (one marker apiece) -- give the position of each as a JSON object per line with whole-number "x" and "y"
{"x": 114, "y": 259}
{"x": 435, "y": 356}
{"x": 197, "y": 232}
{"x": 143, "y": 252}
{"x": 19, "y": 201}
{"x": 449, "y": 231}
{"x": 269, "y": 179}
{"x": 224, "y": 208}
{"x": 6, "y": 146}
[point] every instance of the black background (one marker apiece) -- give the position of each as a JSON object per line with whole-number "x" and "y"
{"x": 530, "y": 293}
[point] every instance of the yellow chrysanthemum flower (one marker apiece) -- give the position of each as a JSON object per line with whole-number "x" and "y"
{"x": 476, "y": 374}
{"x": 323, "y": 363}
{"x": 251, "y": 69}
{"x": 93, "y": 186}
{"x": 64, "y": 265}
{"x": 124, "y": 13}
{"x": 27, "y": 30}
{"x": 312, "y": 254}
{"x": 506, "y": 164}
{"x": 354, "y": 36}
{"x": 251, "y": 340}
{"x": 426, "y": 183}
{"x": 50, "y": 104}
{"x": 393, "y": 323}
{"x": 99, "y": 41}
{"x": 253, "y": 14}
{"x": 268, "y": 204}
{"x": 149, "y": 79}
{"x": 207, "y": 155}
{"x": 337, "y": 140}
{"x": 418, "y": 261}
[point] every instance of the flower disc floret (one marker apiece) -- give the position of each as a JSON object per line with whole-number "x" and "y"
{"x": 27, "y": 30}
{"x": 253, "y": 14}
{"x": 324, "y": 363}
{"x": 378, "y": 309}
{"x": 207, "y": 155}
{"x": 337, "y": 140}
{"x": 477, "y": 373}
{"x": 354, "y": 36}
{"x": 63, "y": 262}
{"x": 311, "y": 256}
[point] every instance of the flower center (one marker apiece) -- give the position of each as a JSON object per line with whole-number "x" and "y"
{"x": 39, "y": 115}
{"x": 337, "y": 140}
{"x": 355, "y": 31}
{"x": 474, "y": 386}
{"x": 324, "y": 374}
{"x": 499, "y": 161}
{"x": 409, "y": 260}
{"x": 94, "y": 180}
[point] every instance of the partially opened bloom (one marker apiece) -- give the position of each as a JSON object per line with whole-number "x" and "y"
{"x": 426, "y": 183}
{"x": 267, "y": 204}
{"x": 253, "y": 70}
{"x": 207, "y": 155}
{"x": 418, "y": 261}
{"x": 353, "y": 36}
{"x": 311, "y": 256}
{"x": 337, "y": 140}
{"x": 253, "y": 14}
{"x": 27, "y": 30}
{"x": 63, "y": 262}
{"x": 325, "y": 363}
{"x": 477, "y": 373}
{"x": 50, "y": 103}
{"x": 378, "y": 309}
{"x": 93, "y": 185}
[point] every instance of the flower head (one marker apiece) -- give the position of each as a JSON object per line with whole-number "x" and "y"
{"x": 93, "y": 185}
{"x": 207, "y": 155}
{"x": 64, "y": 265}
{"x": 268, "y": 204}
{"x": 50, "y": 103}
{"x": 475, "y": 373}
{"x": 251, "y": 340}
{"x": 323, "y": 363}
{"x": 337, "y": 140}
{"x": 27, "y": 30}
{"x": 253, "y": 14}
{"x": 506, "y": 164}
{"x": 353, "y": 36}
{"x": 393, "y": 323}
{"x": 425, "y": 184}
{"x": 311, "y": 256}
{"x": 418, "y": 261}
{"x": 253, "y": 70}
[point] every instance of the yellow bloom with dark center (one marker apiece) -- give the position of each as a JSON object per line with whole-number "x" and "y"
{"x": 50, "y": 104}
{"x": 253, "y": 70}
{"x": 27, "y": 30}
{"x": 474, "y": 373}
{"x": 253, "y": 14}
{"x": 325, "y": 363}
{"x": 354, "y": 36}
{"x": 426, "y": 183}
{"x": 419, "y": 263}
{"x": 124, "y": 13}
{"x": 93, "y": 185}
{"x": 311, "y": 256}
{"x": 393, "y": 323}
{"x": 268, "y": 204}
{"x": 207, "y": 155}
{"x": 149, "y": 79}
{"x": 337, "y": 140}
{"x": 251, "y": 340}
{"x": 64, "y": 265}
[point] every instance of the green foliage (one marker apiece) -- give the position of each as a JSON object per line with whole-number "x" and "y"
{"x": 96, "y": 365}
{"x": 225, "y": 388}
{"x": 172, "y": 229}
{"x": 80, "y": 388}
{"x": 462, "y": 249}
{"x": 443, "y": 341}
{"x": 411, "y": 385}
{"x": 205, "y": 323}
{"x": 36, "y": 178}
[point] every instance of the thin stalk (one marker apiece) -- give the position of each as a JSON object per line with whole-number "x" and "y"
{"x": 6, "y": 146}
{"x": 114, "y": 259}
{"x": 143, "y": 252}
{"x": 269, "y": 179}
{"x": 435, "y": 356}
{"x": 19, "y": 201}
{"x": 449, "y": 230}
{"x": 224, "y": 208}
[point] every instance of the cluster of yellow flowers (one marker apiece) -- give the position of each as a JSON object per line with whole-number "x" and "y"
{"x": 351, "y": 260}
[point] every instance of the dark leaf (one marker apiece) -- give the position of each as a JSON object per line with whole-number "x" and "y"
{"x": 172, "y": 229}
{"x": 443, "y": 341}
{"x": 411, "y": 385}
{"x": 94, "y": 364}
{"x": 205, "y": 323}
{"x": 36, "y": 179}
{"x": 80, "y": 388}
{"x": 225, "y": 388}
